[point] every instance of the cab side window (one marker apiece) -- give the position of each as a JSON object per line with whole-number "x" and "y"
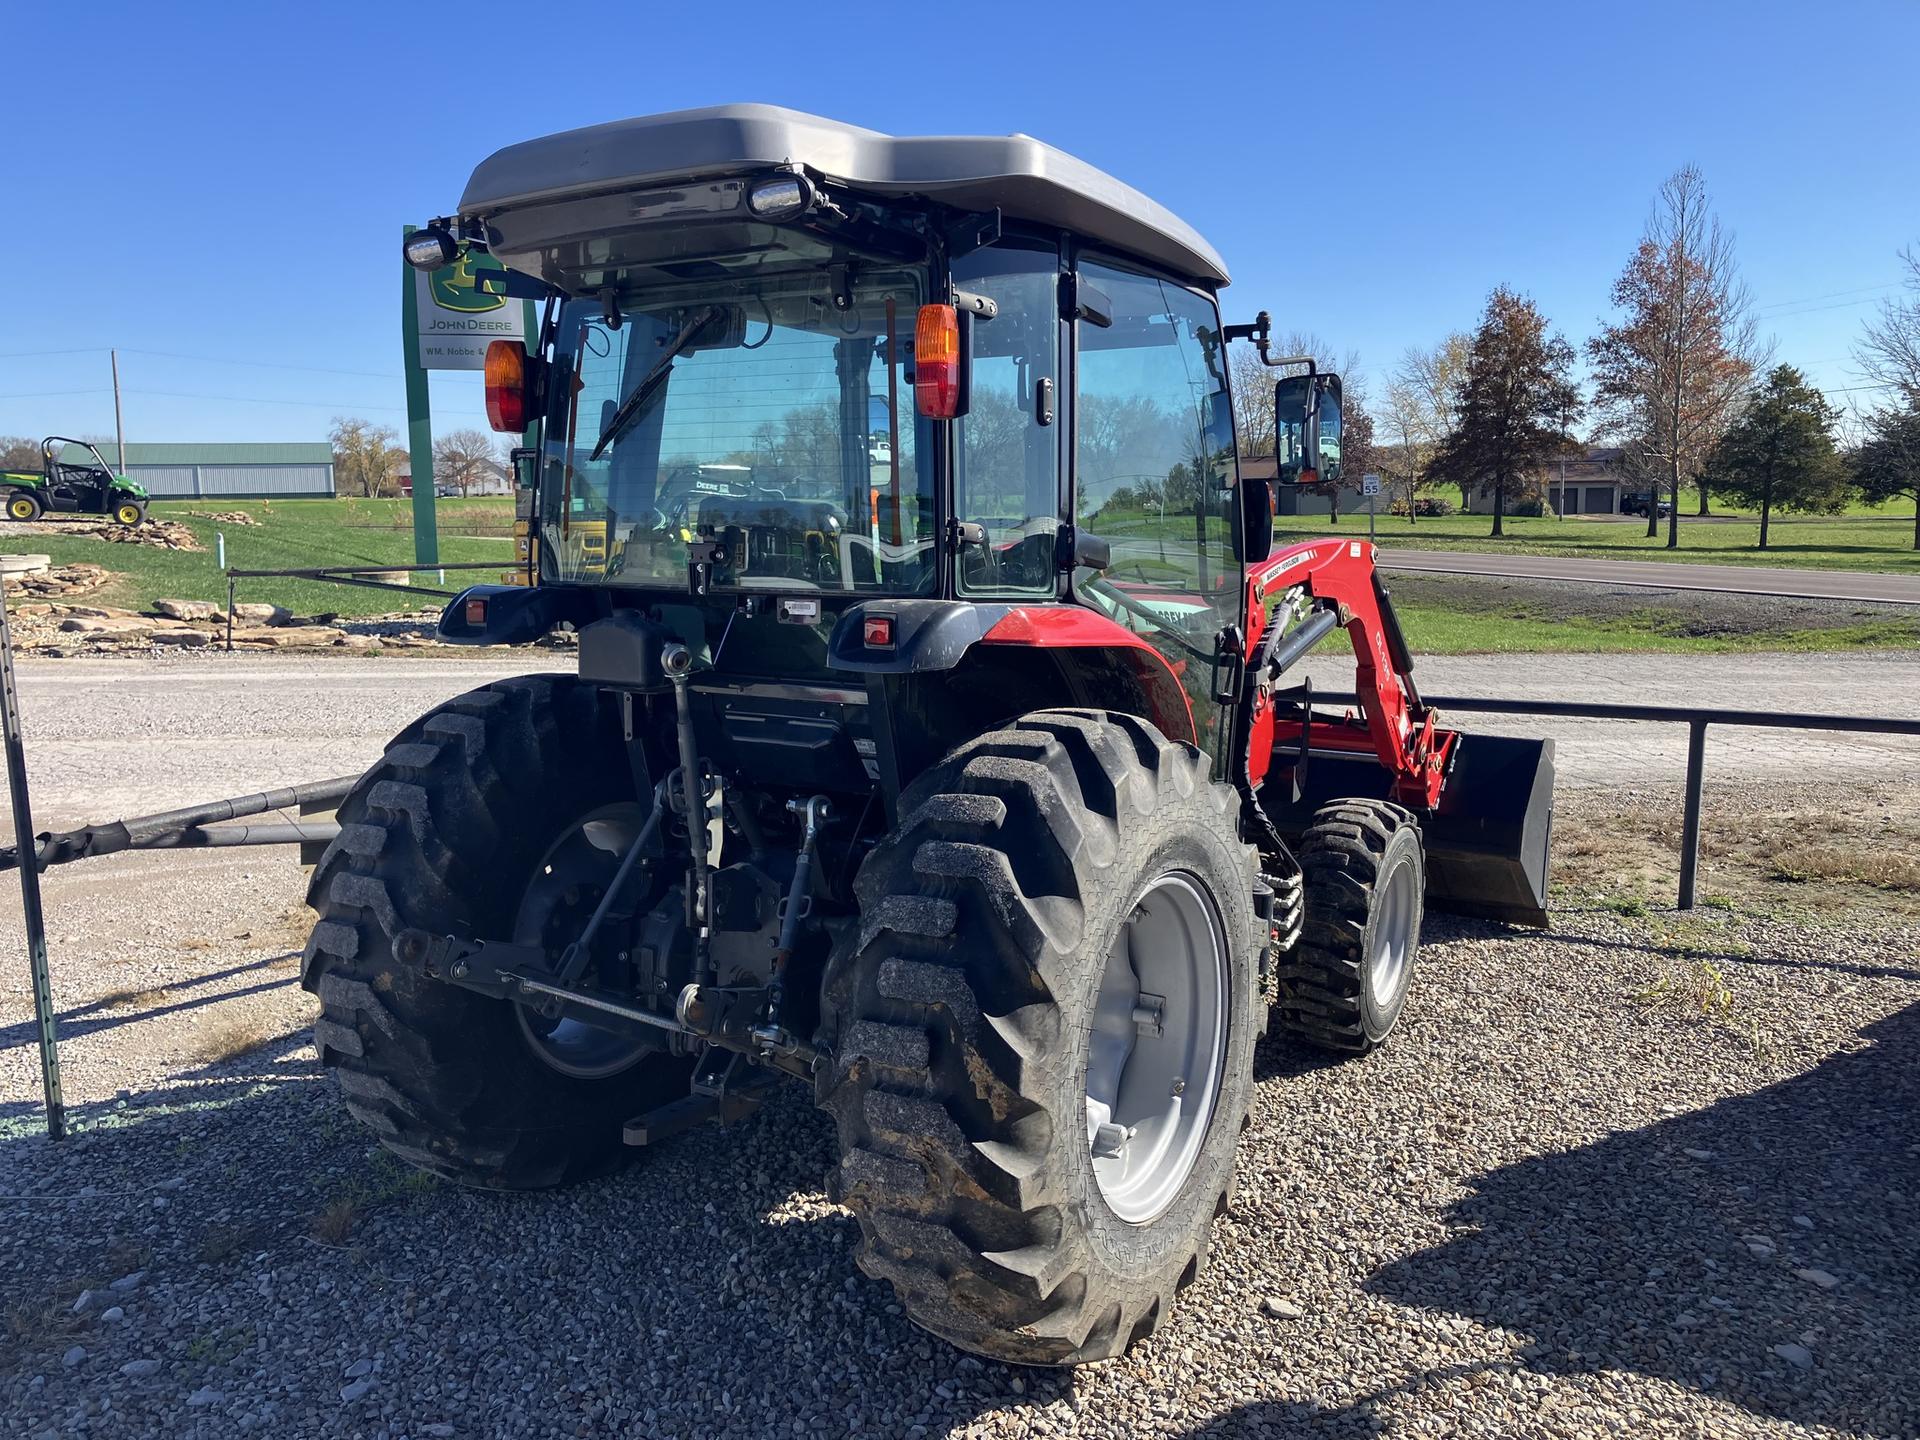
{"x": 1008, "y": 476}
{"x": 1154, "y": 447}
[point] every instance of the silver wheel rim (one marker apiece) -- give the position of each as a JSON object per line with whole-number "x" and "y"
{"x": 1393, "y": 937}
{"x": 1157, "y": 1050}
{"x": 587, "y": 851}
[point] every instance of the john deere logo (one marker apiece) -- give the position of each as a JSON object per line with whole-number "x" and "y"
{"x": 453, "y": 285}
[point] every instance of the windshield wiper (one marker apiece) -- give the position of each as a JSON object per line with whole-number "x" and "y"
{"x": 656, "y": 377}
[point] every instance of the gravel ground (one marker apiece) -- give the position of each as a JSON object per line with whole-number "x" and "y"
{"x": 1547, "y": 1208}
{"x": 1647, "y": 1173}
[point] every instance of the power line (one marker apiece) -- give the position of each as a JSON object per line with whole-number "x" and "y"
{"x": 41, "y": 394}
{"x": 266, "y": 364}
{"x": 1830, "y": 295}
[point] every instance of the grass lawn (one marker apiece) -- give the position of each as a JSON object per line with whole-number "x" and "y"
{"x": 1442, "y": 617}
{"x": 1846, "y": 542}
{"x": 1443, "y": 630}
{"x": 293, "y": 534}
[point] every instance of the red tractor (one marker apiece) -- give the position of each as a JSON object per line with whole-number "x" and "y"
{"x": 936, "y": 739}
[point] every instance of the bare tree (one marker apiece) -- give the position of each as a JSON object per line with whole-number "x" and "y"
{"x": 1671, "y": 372}
{"x": 1889, "y": 348}
{"x": 463, "y": 457}
{"x": 1252, "y": 401}
{"x": 17, "y": 452}
{"x": 366, "y": 457}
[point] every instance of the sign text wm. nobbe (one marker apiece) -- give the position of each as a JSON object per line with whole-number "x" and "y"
{"x": 457, "y": 321}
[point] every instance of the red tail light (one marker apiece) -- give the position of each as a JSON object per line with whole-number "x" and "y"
{"x": 936, "y": 361}
{"x": 507, "y": 375}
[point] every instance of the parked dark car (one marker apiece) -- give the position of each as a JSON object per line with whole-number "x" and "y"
{"x": 1636, "y": 503}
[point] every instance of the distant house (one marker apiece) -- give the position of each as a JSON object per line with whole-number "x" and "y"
{"x": 1586, "y": 484}
{"x": 223, "y": 471}
{"x": 1289, "y": 499}
{"x": 494, "y": 480}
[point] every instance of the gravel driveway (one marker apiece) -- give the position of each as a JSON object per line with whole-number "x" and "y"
{"x": 1655, "y": 1174}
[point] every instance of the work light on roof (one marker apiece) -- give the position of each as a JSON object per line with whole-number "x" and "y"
{"x": 780, "y": 199}
{"x": 431, "y": 248}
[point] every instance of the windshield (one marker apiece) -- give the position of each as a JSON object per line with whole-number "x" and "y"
{"x": 757, "y": 418}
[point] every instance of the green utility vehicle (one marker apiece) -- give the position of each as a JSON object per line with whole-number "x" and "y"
{"x": 67, "y": 487}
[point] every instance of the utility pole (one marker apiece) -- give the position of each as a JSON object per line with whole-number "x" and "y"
{"x": 119, "y": 429}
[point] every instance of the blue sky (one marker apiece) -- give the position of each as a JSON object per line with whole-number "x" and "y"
{"x": 227, "y": 182}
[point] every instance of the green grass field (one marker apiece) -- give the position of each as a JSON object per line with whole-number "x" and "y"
{"x": 293, "y": 534}
{"x": 1443, "y": 630}
{"x": 307, "y": 533}
{"x": 1846, "y": 542}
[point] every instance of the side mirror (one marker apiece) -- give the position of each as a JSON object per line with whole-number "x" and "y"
{"x": 1306, "y": 423}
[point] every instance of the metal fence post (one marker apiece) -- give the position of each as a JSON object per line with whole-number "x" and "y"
{"x": 30, "y": 885}
{"x": 1690, "y": 822}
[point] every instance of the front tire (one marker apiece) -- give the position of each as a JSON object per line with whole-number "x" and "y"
{"x": 1346, "y": 983}
{"x": 130, "y": 512}
{"x": 445, "y": 834}
{"x": 1032, "y": 1194}
{"x": 23, "y": 505}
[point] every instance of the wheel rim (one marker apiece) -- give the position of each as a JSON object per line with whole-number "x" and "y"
{"x": 1393, "y": 937}
{"x": 560, "y": 897}
{"x": 128, "y": 515}
{"x": 1157, "y": 1050}
{"x": 22, "y": 510}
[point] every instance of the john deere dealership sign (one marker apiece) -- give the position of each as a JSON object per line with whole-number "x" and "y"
{"x": 457, "y": 319}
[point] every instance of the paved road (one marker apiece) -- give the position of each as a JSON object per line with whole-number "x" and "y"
{"x": 1664, "y": 575}
{"x": 110, "y": 738}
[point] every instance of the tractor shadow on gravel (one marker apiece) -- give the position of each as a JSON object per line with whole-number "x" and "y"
{"x": 1672, "y": 1250}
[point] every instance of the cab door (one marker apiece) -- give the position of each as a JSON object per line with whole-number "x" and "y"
{"x": 1154, "y": 469}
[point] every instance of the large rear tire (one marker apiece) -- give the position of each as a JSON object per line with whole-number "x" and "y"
{"x": 445, "y": 834}
{"x": 23, "y": 505}
{"x": 1346, "y": 983}
{"x": 1030, "y": 1167}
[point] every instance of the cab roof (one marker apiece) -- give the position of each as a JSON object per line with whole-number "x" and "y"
{"x": 1026, "y": 179}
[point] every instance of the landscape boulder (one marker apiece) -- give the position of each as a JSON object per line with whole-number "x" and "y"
{"x": 260, "y": 614}
{"x": 187, "y": 609}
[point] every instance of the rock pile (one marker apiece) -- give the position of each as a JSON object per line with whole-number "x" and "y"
{"x": 160, "y": 534}
{"x": 54, "y": 580}
{"x": 46, "y": 622}
{"x": 225, "y": 517}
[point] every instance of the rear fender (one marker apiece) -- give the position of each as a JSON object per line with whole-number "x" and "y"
{"x": 1074, "y": 656}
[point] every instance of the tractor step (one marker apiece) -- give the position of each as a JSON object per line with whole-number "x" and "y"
{"x": 1486, "y": 842}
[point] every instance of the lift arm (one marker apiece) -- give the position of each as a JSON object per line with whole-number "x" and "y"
{"x": 1339, "y": 576}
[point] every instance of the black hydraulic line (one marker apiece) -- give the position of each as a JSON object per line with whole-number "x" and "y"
{"x": 32, "y": 913}
{"x": 677, "y": 661}
{"x": 158, "y": 832}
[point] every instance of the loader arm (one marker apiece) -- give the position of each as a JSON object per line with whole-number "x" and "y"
{"x": 1394, "y": 723}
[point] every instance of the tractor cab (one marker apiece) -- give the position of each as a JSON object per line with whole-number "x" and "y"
{"x": 797, "y": 373}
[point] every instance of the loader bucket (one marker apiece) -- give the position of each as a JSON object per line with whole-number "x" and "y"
{"x": 1486, "y": 842}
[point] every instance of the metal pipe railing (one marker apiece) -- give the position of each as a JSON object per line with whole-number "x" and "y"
{"x": 1695, "y": 718}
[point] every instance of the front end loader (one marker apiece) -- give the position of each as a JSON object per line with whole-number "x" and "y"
{"x": 937, "y": 739}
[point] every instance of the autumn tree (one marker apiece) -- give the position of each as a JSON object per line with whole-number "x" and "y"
{"x": 1514, "y": 406}
{"x": 1779, "y": 454}
{"x": 1670, "y": 372}
{"x": 1886, "y": 466}
{"x": 366, "y": 457}
{"x": 462, "y": 458}
{"x": 1889, "y": 348}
